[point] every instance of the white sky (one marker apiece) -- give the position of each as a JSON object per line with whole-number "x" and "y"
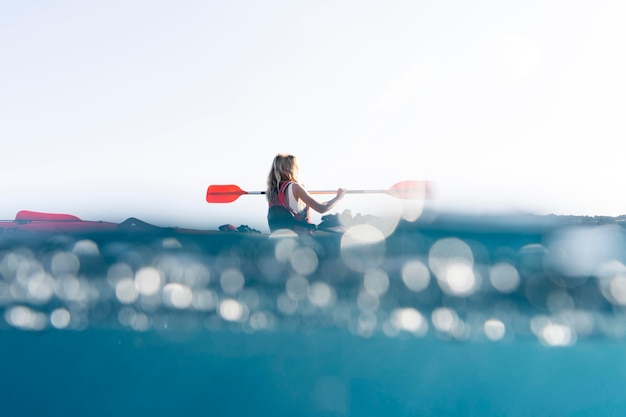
{"x": 115, "y": 109}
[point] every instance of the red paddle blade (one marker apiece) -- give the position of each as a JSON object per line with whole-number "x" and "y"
{"x": 223, "y": 193}
{"x": 409, "y": 190}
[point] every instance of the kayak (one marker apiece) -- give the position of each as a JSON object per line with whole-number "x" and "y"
{"x": 34, "y": 221}
{"x": 26, "y": 220}
{"x": 41, "y": 222}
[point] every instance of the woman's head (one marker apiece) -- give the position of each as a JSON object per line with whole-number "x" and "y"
{"x": 284, "y": 168}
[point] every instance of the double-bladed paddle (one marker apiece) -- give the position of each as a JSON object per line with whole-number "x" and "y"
{"x": 406, "y": 190}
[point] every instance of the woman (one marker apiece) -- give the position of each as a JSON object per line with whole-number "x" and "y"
{"x": 289, "y": 201}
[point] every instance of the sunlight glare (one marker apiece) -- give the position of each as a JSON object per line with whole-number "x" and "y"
{"x": 177, "y": 295}
{"x": 410, "y": 320}
{"x": 494, "y": 329}
{"x": 362, "y": 247}
{"x": 231, "y": 310}
{"x": 148, "y": 281}
{"x": 321, "y": 294}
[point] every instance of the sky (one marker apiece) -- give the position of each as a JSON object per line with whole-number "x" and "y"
{"x": 120, "y": 109}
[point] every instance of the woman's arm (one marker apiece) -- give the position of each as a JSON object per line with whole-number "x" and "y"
{"x": 300, "y": 193}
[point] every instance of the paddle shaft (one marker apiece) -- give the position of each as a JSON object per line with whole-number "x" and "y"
{"x": 350, "y": 192}
{"x": 310, "y": 192}
{"x": 404, "y": 190}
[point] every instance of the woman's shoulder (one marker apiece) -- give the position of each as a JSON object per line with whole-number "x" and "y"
{"x": 297, "y": 185}
{"x": 284, "y": 184}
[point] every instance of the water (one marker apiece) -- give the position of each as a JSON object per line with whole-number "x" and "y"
{"x": 511, "y": 316}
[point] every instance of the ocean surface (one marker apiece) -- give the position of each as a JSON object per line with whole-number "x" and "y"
{"x": 444, "y": 316}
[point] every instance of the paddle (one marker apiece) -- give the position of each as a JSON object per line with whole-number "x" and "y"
{"x": 406, "y": 190}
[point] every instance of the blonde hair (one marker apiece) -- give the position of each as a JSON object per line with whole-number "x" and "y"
{"x": 284, "y": 168}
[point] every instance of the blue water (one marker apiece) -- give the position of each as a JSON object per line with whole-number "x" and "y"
{"x": 448, "y": 316}
{"x": 308, "y": 373}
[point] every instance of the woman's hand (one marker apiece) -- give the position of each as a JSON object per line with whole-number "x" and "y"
{"x": 302, "y": 194}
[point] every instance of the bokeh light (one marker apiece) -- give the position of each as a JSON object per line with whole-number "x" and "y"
{"x": 40, "y": 288}
{"x": 504, "y": 277}
{"x": 86, "y": 247}
{"x": 231, "y": 310}
{"x": 287, "y": 305}
{"x": 148, "y": 281}
{"x": 415, "y": 275}
{"x": 452, "y": 262}
{"x": 262, "y": 320}
{"x": 26, "y": 318}
{"x": 362, "y": 281}
{"x": 494, "y": 329}
{"x": 126, "y": 291}
{"x": 297, "y": 287}
{"x": 65, "y": 263}
{"x": 577, "y": 252}
{"x": 410, "y": 320}
{"x": 232, "y": 280}
{"x": 367, "y": 301}
{"x": 617, "y": 289}
{"x": 204, "y": 299}
{"x": 60, "y": 318}
{"x": 321, "y": 294}
{"x": 177, "y": 295}
{"x": 304, "y": 261}
{"x": 376, "y": 281}
{"x": 362, "y": 247}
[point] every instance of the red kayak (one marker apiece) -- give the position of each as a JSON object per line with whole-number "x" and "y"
{"x": 53, "y": 222}
{"x": 33, "y": 221}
